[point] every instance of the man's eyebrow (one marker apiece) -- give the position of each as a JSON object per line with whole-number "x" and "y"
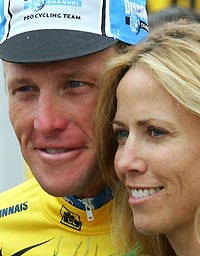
{"x": 16, "y": 80}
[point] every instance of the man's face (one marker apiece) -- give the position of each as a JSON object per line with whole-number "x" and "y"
{"x": 51, "y": 108}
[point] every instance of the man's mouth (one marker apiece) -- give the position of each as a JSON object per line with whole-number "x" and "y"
{"x": 53, "y": 151}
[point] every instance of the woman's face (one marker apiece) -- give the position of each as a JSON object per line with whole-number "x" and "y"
{"x": 158, "y": 157}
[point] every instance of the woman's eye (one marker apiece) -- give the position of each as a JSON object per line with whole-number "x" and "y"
{"x": 121, "y": 135}
{"x": 156, "y": 132}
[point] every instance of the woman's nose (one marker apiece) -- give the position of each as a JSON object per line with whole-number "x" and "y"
{"x": 130, "y": 157}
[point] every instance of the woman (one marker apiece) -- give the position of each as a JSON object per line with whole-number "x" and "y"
{"x": 148, "y": 124}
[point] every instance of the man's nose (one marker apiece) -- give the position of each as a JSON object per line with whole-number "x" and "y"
{"x": 50, "y": 115}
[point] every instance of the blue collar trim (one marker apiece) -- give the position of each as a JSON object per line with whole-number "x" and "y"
{"x": 102, "y": 198}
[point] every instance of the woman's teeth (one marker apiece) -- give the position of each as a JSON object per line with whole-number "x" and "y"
{"x": 139, "y": 193}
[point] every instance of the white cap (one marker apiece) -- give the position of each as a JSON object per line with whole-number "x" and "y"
{"x": 48, "y": 30}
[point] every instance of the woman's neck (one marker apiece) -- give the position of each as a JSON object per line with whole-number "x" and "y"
{"x": 185, "y": 242}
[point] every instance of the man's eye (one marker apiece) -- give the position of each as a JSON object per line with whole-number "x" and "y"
{"x": 75, "y": 84}
{"x": 156, "y": 132}
{"x": 25, "y": 88}
{"x": 121, "y": 135}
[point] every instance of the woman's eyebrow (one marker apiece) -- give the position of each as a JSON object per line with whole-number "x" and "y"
{"x": 117, "y": 122}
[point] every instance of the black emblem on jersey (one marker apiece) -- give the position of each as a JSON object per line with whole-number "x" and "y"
{"x": 23, "y": 251}
{"x": 70, "y": 219}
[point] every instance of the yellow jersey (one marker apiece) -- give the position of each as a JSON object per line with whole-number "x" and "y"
{"x": 34, "y": 223}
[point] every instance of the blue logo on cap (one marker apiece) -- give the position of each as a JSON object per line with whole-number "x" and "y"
{"x": 2, "y": 20}
{"x": 37, "y": 5}
{"x": 77, "y": 3}
{"x": 34, "y": 5}
{"x": 128, "y": 20}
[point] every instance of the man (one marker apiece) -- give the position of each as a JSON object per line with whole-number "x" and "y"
{"x": 53, "y": 53}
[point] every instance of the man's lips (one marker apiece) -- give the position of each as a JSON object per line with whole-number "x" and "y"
{"x": 53, "y": 151}
{"x": 61, "y": 155}
{"x": 59, "y": 150}
{"x": 55, "y": 148}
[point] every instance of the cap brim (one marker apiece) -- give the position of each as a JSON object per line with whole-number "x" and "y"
{"x": 52, "y": 45}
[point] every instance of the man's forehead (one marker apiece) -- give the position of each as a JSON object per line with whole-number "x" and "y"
{"x": 89, "y": 66}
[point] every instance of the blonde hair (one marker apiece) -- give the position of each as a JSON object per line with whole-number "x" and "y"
{"x": 172, "y": 55}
